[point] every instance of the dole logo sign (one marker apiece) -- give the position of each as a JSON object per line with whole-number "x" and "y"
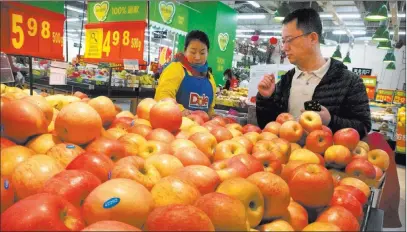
{"x": 195, "y": 100}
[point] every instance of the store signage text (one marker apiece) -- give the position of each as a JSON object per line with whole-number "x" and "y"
{"x": 223, "y": 40}
{"x": 385, "y": 95}
{"x": 32, "y": 31}
{"x": 113, "y": 42}
{"x": 399, "y": 97}
{"x": 220, "y": 64}
{"x": 116, "y": 11}
{"x": 362, "y": 71}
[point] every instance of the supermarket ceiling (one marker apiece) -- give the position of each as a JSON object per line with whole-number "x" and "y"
{"x": 343, "y": 21}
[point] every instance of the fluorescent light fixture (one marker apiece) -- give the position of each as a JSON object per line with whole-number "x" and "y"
{"x": 262, "y": 50}
{"x": 254, "y": 3}
{"x": 341, "y": 15}
{"x": 251, "y": 16}
{"x": 399, "y": 15}
{"x": 243, "y": 36}
{"x": 325, "y": 15}
{"x": 340, "y": 32}
{"x": 271, "y": 31}
{"x": 400, "y": 33}
{"x": 72, "y": 30}
{"x": 244, "y": 30}
{"x": 74, "y": 9}
{"x": 75, "y": 19}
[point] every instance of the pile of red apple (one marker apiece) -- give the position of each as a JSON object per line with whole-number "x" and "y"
{"x": 102, "y": 169}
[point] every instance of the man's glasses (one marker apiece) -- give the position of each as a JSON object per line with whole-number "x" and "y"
{"x": 288, "y": 41}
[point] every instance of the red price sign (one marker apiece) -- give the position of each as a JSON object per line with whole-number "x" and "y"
{"x": 113, "y": 42}
{"x": 385, "y": 95}
{"x": 32, "y": 31}
{"x": 400, "y": 97}
{"x": 370, "y": 92}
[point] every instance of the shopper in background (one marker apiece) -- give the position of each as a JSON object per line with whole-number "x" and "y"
{"x": 244, "y": 83}
{"x": 340, "y": 92}
{"x": 187, "y": 80}
{"x": 231, "y": 81}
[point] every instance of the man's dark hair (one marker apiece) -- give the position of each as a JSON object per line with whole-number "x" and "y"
{"x": 196, "y": 35}
{"x": 308, "y": 20}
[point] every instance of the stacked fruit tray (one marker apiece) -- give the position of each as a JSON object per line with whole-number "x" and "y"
{"x": 80, "y": 163}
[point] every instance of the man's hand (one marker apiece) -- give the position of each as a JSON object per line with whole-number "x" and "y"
{"x": 325, "y": 115}
{"x": 267, "y": 86}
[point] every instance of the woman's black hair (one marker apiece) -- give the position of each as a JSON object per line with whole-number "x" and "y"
{"x": 210, "y": 69}
{"x": 228, "y": 73}
{"x": 196, "y": 35}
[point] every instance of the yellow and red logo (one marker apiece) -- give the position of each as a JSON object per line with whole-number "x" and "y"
{"x": 196, "y": 100}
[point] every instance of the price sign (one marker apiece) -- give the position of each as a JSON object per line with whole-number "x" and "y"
{"x": 370, "y": 92}
{"x": 31, "y": 31}
{"x": 384, "y": 95}
{"x": 113, "y": 42}
{"x": 400, "y": 97}
{"x": 362, "y": 71}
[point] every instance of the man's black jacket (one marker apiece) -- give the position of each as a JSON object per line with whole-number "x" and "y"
{"x": 340, "y": 91}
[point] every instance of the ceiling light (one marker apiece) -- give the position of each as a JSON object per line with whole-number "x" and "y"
{"x": 251, "y": 16}
{"x": 337, "y": 54}
{"x": 340, "y": 32}
{"x": 282, "y": 12}
{"x": 243, "y": 36}
{"x": 347, "y": 59}
{"x": 244, "y": 30}
{"x": 349, "y": 16}
{"x": 378, "y": 13}
{"x": 381, "y": 34}
{"x": 271, "y": 31}
{"x": 74, "y": 9}
{"x": 254, "y": 3}
{"x": 384, "y": 45}
{"x": 389, "y": 57}
{"x": 391, "y": 66}
{"x": 400, "y": 33}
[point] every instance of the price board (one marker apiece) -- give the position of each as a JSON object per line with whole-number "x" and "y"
{"x": 385, "y": 95}
{"x": 31, "y": 31}
{"x": 399, "y": 97}
{"x": 370, "y": 82}
{"x": 114, "y": 41}
{"x": 362, "y": 71}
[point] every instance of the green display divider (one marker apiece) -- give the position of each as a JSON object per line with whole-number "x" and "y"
{"x": 116, "y": 11}
{"x": 55, "y": 6}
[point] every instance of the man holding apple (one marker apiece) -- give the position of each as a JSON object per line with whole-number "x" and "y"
{"x": 341, "y": 93}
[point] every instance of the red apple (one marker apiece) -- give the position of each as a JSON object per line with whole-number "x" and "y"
{"x": 347, "y": 137}
{"x": 205, "y": 142}
{"x": 179, "y": 144}
{"x": 340, "y": 217}
{"x": 254, "y": 137}
{"x": 267, "y": 136}
{"x": 273, "y": 127}
{"x": 132, "y": 142}
{"x": 166, "y": 115}
{"x": 291, "y": 131}
{"x": 42, "y": 212}
{"x": 245, "y": 142}
{"x": 205, "y": 179}
{"x": 296, "y": 215}
{"x": 110, "y": 226}
{"x": 192, "y": 156}
{"x": 338, "y": 156}
{"x": 123, "y": 122}
{"x": 202, "y": 114}
{"x": 289, "y": 168}
{"x": 218, "y": 120}
{"x": 165, "y": 164}
{"x": 181, "y": 135}
{"x": 362, "y": 186}
{"x": 359, "y": 153}
{"x": 227, "y": 169}
{"x": 160, "y": 135}
{"x": 361, "y": 168}
{"x": 210, "y": 125}
{"x": 310, "y": 121}
{"x": 64, "y": 153}
{"x": 72, "y": 185}
{"x": 7, "y": 194}
{"x": 98, "y": 164}
{"x": 152, "y": 148}
{"x": 357, "y": 193}
{"x": 221, "y": 134}
{"x": 178, "y": 218}
{"x": 284, "y": 117}
{"x": 80, "y": 95}
{"x": 114, "y": 149}
{"x": 270, "y": 160}
{"x": 348, "y": 201}
{"x": 196, "y": 118}
{"x": 379, "y": 172}
{"x": 252, "y": 164}
{"x": 318, "y": 141}
{"x": 267, "y": 146}
{"x": 311, "y": 185}
{"x": 144, "y": 108}
{"x": 140, "y": 129}
{"x": 250, "y": 128}
{"x": 228, "y": 149}
{"x": 235, "y": 126}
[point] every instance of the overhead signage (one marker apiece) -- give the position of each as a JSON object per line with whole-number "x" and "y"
{"x": 116, "y": 11}
{"x": 113, "y": 42}
{"x": 362, "y": 71}
{"x": 399, "y": 97}
{"x": 385, "y": 95}
{"x": 31, "y": 31}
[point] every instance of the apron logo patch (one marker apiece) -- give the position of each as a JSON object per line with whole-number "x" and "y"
{"x": 195, "y": 100}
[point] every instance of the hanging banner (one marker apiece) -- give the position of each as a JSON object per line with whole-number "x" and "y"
{"x": 385, "y": 95}
{"x": 31, "y": 31}
{"x": 170, "y": 13}
{"x": 113, "y": 42}
{"x": 116, "y": 11}
{"x": 370, "y": 83}
{"x": 399, "y": 97}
